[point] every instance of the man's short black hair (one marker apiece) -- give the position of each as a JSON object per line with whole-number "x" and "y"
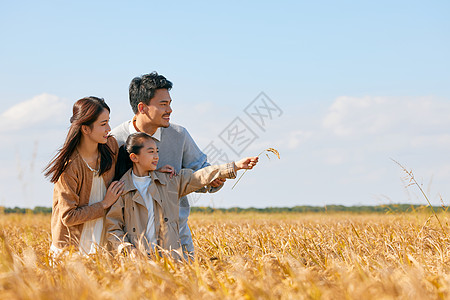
{"x": 142, "y": 89}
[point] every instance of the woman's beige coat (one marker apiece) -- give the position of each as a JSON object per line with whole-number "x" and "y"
{"x": 71, "y": 199}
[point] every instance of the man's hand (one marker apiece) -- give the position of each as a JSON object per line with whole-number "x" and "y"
{"x": 217, "y": 182}
{"x": 168, "y": 169}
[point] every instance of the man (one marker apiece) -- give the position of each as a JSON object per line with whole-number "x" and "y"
{"x": 150, "y": 101}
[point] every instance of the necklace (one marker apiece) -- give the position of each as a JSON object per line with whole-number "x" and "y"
{"x": 93, "y": 170}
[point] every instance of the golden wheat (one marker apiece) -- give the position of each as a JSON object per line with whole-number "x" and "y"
{"x": 244, "y": 256}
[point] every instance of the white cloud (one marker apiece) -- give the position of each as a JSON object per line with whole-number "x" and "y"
{"x": 296, "y": 137}
{"x": 31, "y": 112}
{"x": 350, "y": 116}
{"x": 359, "y": 135}
{"x": 334, "y": 156}
{"x": 432, "y": 140}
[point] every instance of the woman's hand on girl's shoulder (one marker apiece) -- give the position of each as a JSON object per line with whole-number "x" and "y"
{"x": 113, "y": 193}
{"x": 168, "y": 169}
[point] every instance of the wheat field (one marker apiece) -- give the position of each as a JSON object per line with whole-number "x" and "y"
{"x": 244, "y": 256}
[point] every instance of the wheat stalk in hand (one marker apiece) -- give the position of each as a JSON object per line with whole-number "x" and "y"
{"x": 272, "y": 150}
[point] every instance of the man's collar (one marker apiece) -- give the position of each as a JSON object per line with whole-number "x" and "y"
{"x": 131, "y": 127}
{"x": 156, "y": 135}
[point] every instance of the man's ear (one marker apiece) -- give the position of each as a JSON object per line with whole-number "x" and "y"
{"x": 85, "y": 129}
{"x": 142, "y": 108}
{"x": 134, "y": 158}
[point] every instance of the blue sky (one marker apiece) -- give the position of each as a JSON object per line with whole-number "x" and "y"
{"x": 358, "y": 83}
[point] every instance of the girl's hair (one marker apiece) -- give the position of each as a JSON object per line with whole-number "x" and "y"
{"x": 134, "y": 144}
{"x": 85, "y": 112}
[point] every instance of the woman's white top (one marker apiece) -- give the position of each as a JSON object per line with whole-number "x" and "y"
{"x": 142, "y": 184}
{"x": 91, "y": 236}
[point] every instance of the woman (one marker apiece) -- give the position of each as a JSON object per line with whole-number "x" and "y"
{"x": 81, "y": 171}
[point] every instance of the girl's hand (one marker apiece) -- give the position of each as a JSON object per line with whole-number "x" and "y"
{"x": 217, "y": 182}
{"x": 168, "y": 169}
{"x": 246, "y": 163}
{"x": 115, "y": 189}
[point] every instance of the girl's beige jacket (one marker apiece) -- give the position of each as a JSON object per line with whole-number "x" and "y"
{"x": 71, "y": 199}
{"x": 126, "y": 221}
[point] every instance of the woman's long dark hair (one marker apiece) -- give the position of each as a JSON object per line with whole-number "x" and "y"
{"x": 85, "y": 112}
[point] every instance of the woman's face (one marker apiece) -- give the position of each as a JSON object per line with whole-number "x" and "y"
{"x": 99, "y": 130}
{"x": 148, "y": 156}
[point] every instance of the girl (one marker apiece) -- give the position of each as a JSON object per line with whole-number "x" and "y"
{"x": 146, "y": 214}
{"x": 81, "y": 171}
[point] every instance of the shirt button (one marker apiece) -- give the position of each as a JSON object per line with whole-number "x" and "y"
{"x": 165, "y": 219}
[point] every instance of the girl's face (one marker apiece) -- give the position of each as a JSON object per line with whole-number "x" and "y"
{"x": 99, "y": 130}
{"x": 148, "y": 157}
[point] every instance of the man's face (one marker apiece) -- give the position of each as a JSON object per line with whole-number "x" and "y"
{"x": 159, "y": 110}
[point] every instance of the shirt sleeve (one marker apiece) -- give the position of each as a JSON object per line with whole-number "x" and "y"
{"x": 190, "y": 181}
{"x": 193, "y": 157}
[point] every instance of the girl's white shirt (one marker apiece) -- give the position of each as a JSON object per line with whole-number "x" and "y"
{"x": 142, "y": 184}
